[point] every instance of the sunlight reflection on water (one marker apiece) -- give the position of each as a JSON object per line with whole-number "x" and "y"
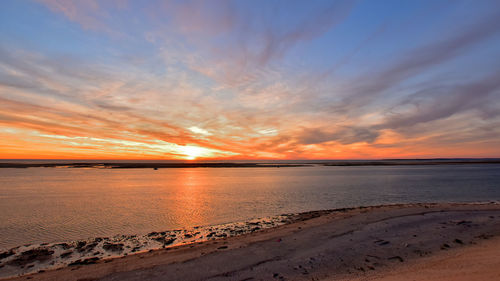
{"x": 48, "y": 205}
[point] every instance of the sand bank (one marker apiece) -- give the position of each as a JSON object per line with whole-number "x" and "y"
{"x": 360, "y": 244}
{"x": 163, "y": 165}
{"x": 476, "y": 262}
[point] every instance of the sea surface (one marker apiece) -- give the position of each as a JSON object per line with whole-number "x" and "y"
{"x": 62, "y": 204}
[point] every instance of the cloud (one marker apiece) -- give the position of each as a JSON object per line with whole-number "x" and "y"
{"x": 367, "y": 88}
{"x": 343, "y": 135}
{"x": 220, "y": 78}
{"x": 433, "y": 104}
{"x": 235, "y": 45}
{"x": 89, "y": 14}
{"x": 200, "y": 131}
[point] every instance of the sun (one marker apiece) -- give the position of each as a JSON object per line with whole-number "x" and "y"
{"x": 192, "y": 152}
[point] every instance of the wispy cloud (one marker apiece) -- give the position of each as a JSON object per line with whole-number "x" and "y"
{"x": 370, "y": 86}
{"x": 237, "y": 80}
{"x": 90, "y": 14}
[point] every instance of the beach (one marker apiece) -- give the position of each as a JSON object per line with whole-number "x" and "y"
{"x": 249, "y": 140}
{"x": 477, "y": 262}
{"x": 362, "y": 243}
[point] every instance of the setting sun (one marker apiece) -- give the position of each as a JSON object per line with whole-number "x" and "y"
{"x": 99, "y": 86}
{"x": 149, "y": 134}
{"x": 192, "y": 152}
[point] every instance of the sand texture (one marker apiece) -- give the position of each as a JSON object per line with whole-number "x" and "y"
{"x": 473, "y": 263}
{"x": 366, "y": 243}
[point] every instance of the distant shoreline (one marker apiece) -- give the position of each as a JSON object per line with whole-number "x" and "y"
{"x": 160, "y": 165}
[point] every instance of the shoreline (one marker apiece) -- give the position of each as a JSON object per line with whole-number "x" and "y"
{"x": 263, "y": 164}
{"x": 50, "y": 256}
{"x": 324, "y": 244}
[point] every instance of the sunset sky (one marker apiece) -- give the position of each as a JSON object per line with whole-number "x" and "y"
{"x": 249, "y": 79}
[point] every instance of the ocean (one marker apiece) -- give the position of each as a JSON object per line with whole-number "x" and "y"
{"x": 61, "y": 204}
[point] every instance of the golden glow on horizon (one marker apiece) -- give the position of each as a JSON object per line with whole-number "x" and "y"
{"x": 193, "y": 152}
{"x": 207, "y": 84}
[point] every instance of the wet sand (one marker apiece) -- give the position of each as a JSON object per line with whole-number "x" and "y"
{"x": 347, "y": 244}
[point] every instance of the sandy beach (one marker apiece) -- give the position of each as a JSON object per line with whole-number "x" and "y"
{"x": 249, "y": 140}
{"x": 394, "y": 242}
{"x": 478, "y": 262}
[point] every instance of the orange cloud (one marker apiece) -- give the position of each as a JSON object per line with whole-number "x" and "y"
{"x": 210, "y": 83}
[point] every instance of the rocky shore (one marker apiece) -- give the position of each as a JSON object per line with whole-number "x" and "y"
{"x": 29, "y": 258}
{"x": 345, "y": 244}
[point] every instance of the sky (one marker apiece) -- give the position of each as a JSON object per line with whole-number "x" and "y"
{"x": 203, "y": 80}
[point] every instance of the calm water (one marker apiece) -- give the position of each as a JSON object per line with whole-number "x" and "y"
{"x": 60, "y": 204}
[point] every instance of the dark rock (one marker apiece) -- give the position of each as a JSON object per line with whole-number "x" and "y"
{"x": 66, "y": 254}
{"x": 80, "y": 244}
{"x": 65, "y": 246}
{"x": 85, "y": 261}
{"x": 169, "y": 241}
{"x": 6, "y": 254}
{"x": 445, "y": 246}
{"x": 396, "y": 258}
{"x": 87, "y": 248}
{"x": 39, "y": 254}
{"x": 458, "y": 241}
{"x": 113, "y": 247}
{"x": 165, "y": 241}
{"x": 159, "y": 239}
